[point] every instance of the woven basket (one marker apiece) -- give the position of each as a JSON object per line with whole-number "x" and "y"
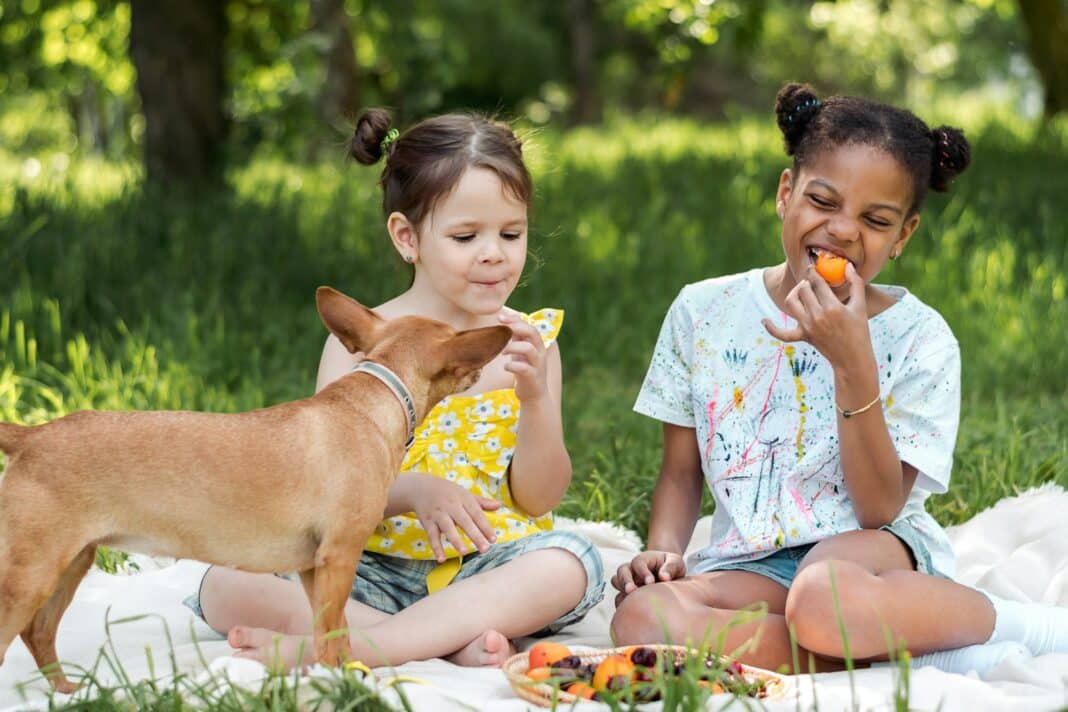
{"x": 543, "y": 694}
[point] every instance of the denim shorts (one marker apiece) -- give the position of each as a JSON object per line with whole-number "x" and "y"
{"x": 781, "y": 566}
{"x": 391, "y": 583}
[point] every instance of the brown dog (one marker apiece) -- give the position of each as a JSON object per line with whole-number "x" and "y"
{"x": 295, "y": 487}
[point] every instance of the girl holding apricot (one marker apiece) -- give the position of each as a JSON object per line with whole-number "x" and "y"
{"x": 821, "y": 411}
{"x": 466, "y": 558}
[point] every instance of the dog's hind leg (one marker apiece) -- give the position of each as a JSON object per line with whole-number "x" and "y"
{"x": 27, "y": 581}
{"x": 40, "y": 634}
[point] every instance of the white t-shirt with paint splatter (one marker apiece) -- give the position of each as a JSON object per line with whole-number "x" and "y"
{"x": 765, "y": 418}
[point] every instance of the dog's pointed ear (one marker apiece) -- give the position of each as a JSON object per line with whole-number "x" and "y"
{"x": 355, "y": 326}
{"x": 470, "y": 350}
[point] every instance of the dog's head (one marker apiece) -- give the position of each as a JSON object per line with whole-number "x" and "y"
{"x": 431, "y": 357}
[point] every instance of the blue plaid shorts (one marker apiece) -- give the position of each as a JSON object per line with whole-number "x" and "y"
{"x": 391, "y": 584}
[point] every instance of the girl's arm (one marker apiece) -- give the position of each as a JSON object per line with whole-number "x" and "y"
{"x": 877, "y": 480}
{"x": 677, "y": 495}
{"x": 540, "y": 472}
{"x": 676, "y": 505}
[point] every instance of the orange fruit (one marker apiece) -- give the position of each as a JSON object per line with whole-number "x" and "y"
{"x": 713, "y": 687}
{"x": 545, "y": 653}
{"x": 610, "y": 670}
{"x": 539, "y": 673}
{"x": 581, "y": 689}
{"x": 832, "y": 268}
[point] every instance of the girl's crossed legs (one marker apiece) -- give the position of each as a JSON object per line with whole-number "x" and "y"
{"x": 878, "y": 590}
{"x": 471, "y": 621}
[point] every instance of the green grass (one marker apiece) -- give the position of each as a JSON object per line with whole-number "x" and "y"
{"x": 114, "y": 298}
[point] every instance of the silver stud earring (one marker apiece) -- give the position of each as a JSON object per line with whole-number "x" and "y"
{"x": 408, "y": 259}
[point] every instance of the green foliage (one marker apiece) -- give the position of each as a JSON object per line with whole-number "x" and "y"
{"x": 515, "y": 57}
{"x": 71, "y": 55}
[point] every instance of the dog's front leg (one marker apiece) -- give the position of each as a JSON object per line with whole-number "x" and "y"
{"x": 328, "y": 586}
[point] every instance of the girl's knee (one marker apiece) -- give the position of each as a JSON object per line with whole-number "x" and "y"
{"x": 639, "y": 618}
{"x": 573, "y": 562}
{"x": 655, "y": 613}
{"x": 824, "y": 596}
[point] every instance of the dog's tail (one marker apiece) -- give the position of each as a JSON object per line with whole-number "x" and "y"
{"x": 11, "y": 436}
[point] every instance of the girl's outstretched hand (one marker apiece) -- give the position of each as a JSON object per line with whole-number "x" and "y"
{"x": 646, "y": 568}
{"x": 526, "y": 352}
{"x": 445, "y": 508}
{"x": 838, "y": 331}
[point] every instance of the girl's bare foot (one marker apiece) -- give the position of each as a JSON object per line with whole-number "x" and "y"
{"x": 278, "y": 652}
{"x": 490, "y": 649}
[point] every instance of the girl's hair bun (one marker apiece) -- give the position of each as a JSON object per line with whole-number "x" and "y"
{"x": 951, "y": 155}
{"x": 371, "y": 130}
{"x": 795, "y": 105}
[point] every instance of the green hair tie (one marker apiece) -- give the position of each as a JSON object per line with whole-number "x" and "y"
{"x": 391, "y": 136}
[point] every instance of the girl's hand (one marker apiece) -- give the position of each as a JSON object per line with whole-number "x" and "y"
{"x": 838, "y": 331}
{"x": 526, "y": 352}
{"x": 444, "y": 508}
{"x": 647, "y": 568}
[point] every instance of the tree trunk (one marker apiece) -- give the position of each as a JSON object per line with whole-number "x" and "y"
{"x": 177, "y": 47}
{"x": 587, "y": 106}
{"x": 1047, "y": 31}
{"x": 340, "y": 95}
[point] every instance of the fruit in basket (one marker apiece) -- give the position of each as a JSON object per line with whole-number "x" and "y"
{"x": 643, "y": 656}
{"x": 713, "y": 687}
{"x": 619, "y": 676}
{"x": 581, "y": 689}
{"x": 571, "y": 662}
{"x": 540, "y": 673}
{"x": 545, "y": 653}
{"x": 613, "y": 673}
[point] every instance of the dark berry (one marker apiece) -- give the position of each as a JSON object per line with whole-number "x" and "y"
{"x": 646, "y": 657}
{"x": 571, "y": 662}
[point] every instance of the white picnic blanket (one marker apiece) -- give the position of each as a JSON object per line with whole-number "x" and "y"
{"x": 1017, "y": 549}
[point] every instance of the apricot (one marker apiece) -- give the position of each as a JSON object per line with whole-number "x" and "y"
{"x": 614, "y": 672}
{"x": 581, "y": 689}
{"x": 713, "y": 687}
{"x": 539, "y": 673}
{"x": 832, "y": 268}
{"x": 545, "y": 653}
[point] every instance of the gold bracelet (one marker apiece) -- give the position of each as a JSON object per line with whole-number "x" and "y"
{"x": 850, "y": 413}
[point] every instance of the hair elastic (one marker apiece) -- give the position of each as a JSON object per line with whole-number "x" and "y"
{"x": 804, "y": 104}
{"x": 391, "y": 136}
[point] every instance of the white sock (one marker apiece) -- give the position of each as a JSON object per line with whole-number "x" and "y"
{"x": 977, "y": 658}
{"x": 1042, "y": 628}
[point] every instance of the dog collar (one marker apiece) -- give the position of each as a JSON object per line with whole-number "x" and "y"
{"x": 396, "y": 385}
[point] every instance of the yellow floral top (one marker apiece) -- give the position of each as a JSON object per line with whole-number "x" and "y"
{"x": 469, "y": 440}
